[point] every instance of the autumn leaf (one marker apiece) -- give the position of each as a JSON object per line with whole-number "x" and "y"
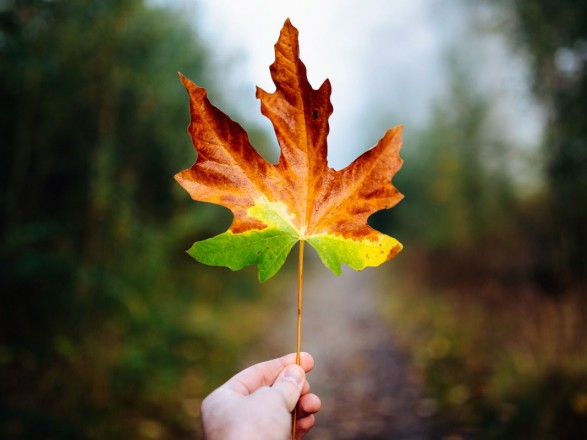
{"x": 300, "y": 197}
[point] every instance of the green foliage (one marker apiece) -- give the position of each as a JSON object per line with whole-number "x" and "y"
{"x": 268, "y": 249}
{"x": 555, "y": 36}
{"x": 106, "y": 328}
{"x": 455, "y": 175}
{"x": 486, "y": 371}
{"x": 498, "y": 358}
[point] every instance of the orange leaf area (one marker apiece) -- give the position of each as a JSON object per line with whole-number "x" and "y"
{"x": 300, "y": 197}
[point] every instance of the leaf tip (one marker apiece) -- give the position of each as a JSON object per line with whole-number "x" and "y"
{"x": 394, "y": 251}
{"x": 192, "y": 251}
{"x": 326, "y": 87}
{"x": 259, "y": 93}
{"x": 187, "y": 83}
{"x": 290, "y": 30}
{"x": 178, "y": 177}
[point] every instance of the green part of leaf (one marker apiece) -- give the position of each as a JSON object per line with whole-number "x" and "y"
{"x": 358, "y": 254}
{"x": 267, "y": 248}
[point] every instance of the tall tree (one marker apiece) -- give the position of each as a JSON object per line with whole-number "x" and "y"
{"x": 92, "y": 130}
{"x": 555, "y": 35}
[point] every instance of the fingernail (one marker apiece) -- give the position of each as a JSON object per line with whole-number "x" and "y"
{"x": 295, "y": 373}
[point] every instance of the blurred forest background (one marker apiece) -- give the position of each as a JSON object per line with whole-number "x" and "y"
{"x": 107, "y": 328}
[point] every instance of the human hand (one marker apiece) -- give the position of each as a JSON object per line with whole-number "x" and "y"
{"x": 257, "y": 402}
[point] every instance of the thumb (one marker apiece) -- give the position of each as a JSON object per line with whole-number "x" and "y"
{"x": 289, "y": 385}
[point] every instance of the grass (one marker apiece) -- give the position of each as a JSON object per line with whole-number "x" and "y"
{"x": 494, "y": 365}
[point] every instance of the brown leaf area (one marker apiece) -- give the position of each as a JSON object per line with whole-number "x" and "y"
{"x": 229, "y": 172}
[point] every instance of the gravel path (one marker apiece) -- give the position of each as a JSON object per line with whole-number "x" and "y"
{"x": 365, "y": 384}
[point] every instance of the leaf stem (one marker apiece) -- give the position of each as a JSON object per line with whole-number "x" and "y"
{"x": 299, "y": 327}
{"x": 300, "y": 278}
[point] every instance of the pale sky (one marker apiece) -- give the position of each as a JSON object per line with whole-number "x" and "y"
{"x": 344, "y": 41}
{"x": 386, "y": 55}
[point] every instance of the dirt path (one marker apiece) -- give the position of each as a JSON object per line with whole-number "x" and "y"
{"x": 352, "y": 346}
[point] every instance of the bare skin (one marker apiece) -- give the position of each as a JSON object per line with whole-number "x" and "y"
{"x": 258, "y": 402}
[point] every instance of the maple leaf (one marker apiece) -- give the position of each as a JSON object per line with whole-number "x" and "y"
{"x": 300, "y": 197}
